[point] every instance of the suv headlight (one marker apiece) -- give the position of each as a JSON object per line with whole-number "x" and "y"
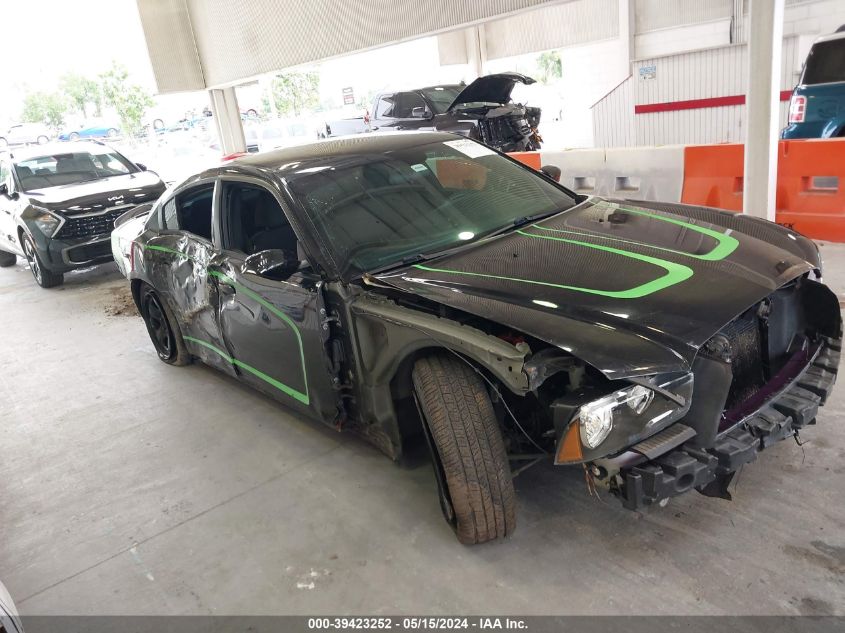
{"x": 47, "y": 222}
{"x": 596, "y": 418}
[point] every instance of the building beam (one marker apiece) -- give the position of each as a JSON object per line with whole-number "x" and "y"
{"x": 227, "y": 118}
{"x": 765, "y": 42}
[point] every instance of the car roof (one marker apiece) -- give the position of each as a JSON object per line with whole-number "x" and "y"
{"x": 47, "y": 149}
{"x": 288, "y": 158}
{"x": 828, "y": 38}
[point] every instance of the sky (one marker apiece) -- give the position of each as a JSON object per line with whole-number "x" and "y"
{"x": 47, "y": 38}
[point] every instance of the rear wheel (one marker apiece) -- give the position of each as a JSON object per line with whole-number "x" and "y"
{"x": 162, "y": 328}
{"x": 479, "y": 501}
{"x": 112, "y": 133}
{"x": 3, "y": 142}
{"x": 73, "y": 136}
{"x": 43, "y": 277}
{"x": 7, "y": 259}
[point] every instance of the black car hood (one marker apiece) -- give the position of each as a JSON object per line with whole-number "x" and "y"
{"x": 95, "y": 195}
{"x": 490, "y": 89}
{"x": 632, "y": 288}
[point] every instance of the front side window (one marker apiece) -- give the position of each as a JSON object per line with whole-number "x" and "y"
{"x": 407, "y": 102}
{"x": 825, "y": 63}
{"x": 374, "y": 210}
{"x": 441, "y": 97}
{"x": 253, "y": 220}
{"x": 385, "y": 108}
{"x": 67, "y": 168}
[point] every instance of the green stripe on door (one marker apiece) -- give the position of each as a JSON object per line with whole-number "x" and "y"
{"x": 293, "y": 393}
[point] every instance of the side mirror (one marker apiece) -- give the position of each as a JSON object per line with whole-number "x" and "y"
{"x": 419, "y": 113}
{"x": 273, "y": 263}
{"x": 141, "y": 166}
{"x": 4, "y": 190}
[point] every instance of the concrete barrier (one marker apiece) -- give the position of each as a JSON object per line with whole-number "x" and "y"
{"x": 810, "y": 187}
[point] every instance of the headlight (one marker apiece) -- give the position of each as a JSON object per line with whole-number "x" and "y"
{"x": 47, "y": 223}
{"x": 596, "y": 417}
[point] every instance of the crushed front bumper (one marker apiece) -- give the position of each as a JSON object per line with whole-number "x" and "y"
{"x": 710, "y": 470}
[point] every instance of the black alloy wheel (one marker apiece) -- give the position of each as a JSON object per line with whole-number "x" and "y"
{"x": 158, "y": 326}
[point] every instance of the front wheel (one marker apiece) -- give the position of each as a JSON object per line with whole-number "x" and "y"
{"x": 7, "y": 259}
{"x": 42, "y": 140}
{"x": 112, "y": 133}
{"x": 73, "y": 136}
{"x": 43, "y": 277}
{"x": 162, "y": 328}
{"x": 480, "y": 502}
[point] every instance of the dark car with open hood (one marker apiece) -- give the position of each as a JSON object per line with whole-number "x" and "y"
{"x": 58, "y": 204}
{"x": 421, "y": 289}
{"x": 482, "y": 110}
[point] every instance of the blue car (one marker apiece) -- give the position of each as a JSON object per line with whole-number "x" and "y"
{"x": 99, "y": 129}
{"x": 817, "y": 107}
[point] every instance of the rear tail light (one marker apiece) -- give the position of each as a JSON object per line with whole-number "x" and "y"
{"x": 797, "y": 108}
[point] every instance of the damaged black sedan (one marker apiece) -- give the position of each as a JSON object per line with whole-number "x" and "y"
{"x": 421, "y": 288}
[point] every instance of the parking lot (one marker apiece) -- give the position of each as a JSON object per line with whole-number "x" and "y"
{"x": 130, "y": 486}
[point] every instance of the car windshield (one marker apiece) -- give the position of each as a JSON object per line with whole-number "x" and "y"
{"x": 67, "y": 168}
{"x": 825, "y": 63}
{"x": 441, "y": 97}
{"x": 378, "y": 209}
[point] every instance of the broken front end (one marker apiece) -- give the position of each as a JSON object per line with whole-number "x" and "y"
{"x": 759, "y": 380}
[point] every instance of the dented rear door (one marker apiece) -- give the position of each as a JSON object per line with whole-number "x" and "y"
{"x": 177, "y": 262}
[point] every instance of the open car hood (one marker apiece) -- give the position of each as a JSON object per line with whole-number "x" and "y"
{"x": 630, "y": 288}
{"x": 490, "y": 89}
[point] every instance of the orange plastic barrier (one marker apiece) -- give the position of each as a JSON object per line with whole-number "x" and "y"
{"x": 713, "y": 176}
{"x": 532, "y": 159}
{"x": 811, "y": 187}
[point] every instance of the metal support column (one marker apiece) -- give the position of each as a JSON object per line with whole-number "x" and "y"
{"x": 227, "y": 117}
{"x": 765, "y": 42}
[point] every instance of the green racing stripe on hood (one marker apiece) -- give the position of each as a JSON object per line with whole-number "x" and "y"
{"x": 675, "y": 273}
{"x": 727, "y": 244}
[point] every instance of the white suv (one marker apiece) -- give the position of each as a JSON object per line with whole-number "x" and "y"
{"x": 25, "y": 134}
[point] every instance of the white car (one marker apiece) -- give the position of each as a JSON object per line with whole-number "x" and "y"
{"x": 25, "y": 134}
{"x": 126, "y": 228}
{"x": 10, "y": 622}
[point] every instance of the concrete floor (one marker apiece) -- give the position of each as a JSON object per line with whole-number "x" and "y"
{"x": 128, "y": 486}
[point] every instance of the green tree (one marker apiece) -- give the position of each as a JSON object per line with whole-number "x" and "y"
{"x": 45, "y": 107}
{"x": 293, "y": 92}
{"x": 550, "y": 65}
{"x": 82, "y": 92}
{"x": 130, "y": 101}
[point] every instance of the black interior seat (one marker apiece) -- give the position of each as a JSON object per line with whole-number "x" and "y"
{"x": 271, "y": 228}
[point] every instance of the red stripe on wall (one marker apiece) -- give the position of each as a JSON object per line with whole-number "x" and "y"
{"x": 695, "y": 104}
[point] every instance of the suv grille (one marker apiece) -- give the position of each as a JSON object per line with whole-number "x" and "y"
{"x": 91, "y": 225}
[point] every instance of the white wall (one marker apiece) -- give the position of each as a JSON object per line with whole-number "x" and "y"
{"x": 682, "y": 73}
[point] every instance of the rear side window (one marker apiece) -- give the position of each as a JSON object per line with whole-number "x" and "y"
{"x": 190, "y": 211}
{"x": 825, "y": 63}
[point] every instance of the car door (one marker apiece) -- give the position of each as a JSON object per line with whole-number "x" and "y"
{"x": 8, "y": 210}
{"x": 272, "y": 327}
{"x": 177, "y": 261}
{"x": 413, "y": 112}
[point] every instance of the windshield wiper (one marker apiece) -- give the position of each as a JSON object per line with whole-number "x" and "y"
{"x": 405, "y": 261}
{"x": 522, "y": 221}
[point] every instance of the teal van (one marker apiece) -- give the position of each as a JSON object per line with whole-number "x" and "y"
{"x": 817, "y": 106}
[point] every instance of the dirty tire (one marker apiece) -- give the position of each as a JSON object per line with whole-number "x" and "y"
{"x": 7, "y": 259}
{"x": 44, "y": 277}
{"x": 162, "y": 327}
{"x": 460, "y": 416}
